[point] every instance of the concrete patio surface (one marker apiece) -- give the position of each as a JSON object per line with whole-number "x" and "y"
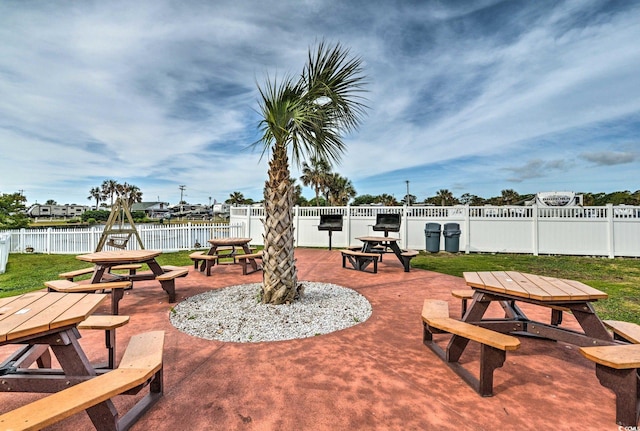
{"x": 376, "y": 375}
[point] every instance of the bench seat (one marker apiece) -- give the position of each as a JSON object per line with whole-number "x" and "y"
{"x": 493, "y": 345}
{"x": 168, "y": 281}
{"x": 141, "y": 365}
{"x": 204, "y": 261}
{"x": 70, "y": 275}
{"x": 244, "y": 260}
{"x": 617, "y": 369}
{"x": 407, "y": 255}
{"x": 625, "y": 331}
{"x": 116, "y": 287}
{"x": 108, "y": 324}
{"x": 359, "y": 260}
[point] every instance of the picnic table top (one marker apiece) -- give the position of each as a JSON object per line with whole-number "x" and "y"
{"x": 119, "y": 256}
{"x": 537, "y": 287}
{"x": 37, "y": 312}
{"x": 377, "y": 239}
{"x": 229, "y": 241}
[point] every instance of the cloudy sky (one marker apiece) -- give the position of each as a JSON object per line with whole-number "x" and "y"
{"x": 471, "y": 96}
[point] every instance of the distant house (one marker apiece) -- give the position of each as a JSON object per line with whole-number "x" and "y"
{"x": 155, "y": 210}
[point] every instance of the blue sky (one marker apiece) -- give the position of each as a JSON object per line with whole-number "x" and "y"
{"x": 471, "y": 96}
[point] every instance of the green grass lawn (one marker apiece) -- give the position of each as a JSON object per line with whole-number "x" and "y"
{"x": 620, "y": 278}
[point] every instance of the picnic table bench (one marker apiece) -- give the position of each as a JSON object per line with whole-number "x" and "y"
{"x": 359, "y": 260}
{"x": 493, "y": 345}
{"x": 617, "y": 369}
{"x": 168, "y": 280}
{"x": 141, "y": 365}
{"x": 108, "y": 324}
{"x": 116, "y": 287}
{"x": 70, "y": 275}
{"x": 245, "y": 260}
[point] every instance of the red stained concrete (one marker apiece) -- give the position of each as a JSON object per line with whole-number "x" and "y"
{"x": 375, "y": 375}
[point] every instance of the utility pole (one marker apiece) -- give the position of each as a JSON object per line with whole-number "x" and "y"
{"x": 182, "y": 189}
{"x": 408, "y": 197}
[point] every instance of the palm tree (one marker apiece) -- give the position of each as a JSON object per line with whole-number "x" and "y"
{"x": 340, "y": 190}
{"x": 129, "y": 192}
{"x": 307, "y": 118}
{"x": 386, "y": 200}
{"x": 509, "y": 196}
{"x": 445, "y": 196}
{"x": 109, "y": 188}
{"x": 316, "y": 175}
{"x": 95, "y": 193}
{"x": 235, "y": 198}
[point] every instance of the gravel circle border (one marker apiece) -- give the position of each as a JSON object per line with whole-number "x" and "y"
{"x": 234, "y": 313}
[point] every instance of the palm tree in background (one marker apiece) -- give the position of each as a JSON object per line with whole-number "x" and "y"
{"x": 340, "y": 190}
{"x": 109, "y": 189}
{"x": 445, "y": 196}
{"x": 316, "y": 175}
{"x": 235, "y": 198}
{"x": 509, "y": 197}
{"x": 95, "y": 193}
{"x": 129, "y": 192}
{"x": 304, "y": 117}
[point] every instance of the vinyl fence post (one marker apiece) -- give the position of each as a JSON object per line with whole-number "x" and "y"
{"x": 610, "y": 232}
{"x": 534, "y": 229}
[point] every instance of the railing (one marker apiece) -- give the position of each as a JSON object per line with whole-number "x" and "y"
{"x": 593, "y": 231}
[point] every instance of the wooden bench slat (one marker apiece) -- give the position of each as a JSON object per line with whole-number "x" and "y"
{"x": 145, "y": 351}
{"x": 76, "y": 273}
{"x": 103, "y": 322}
{"x": 360, "y": 253}
{"x": 626, "y": 330}
{"x": 171, "y": 275}
{"x": 71, "y": 287}
{"x": 618, "y": 357}
{"x": 475, "y": 333}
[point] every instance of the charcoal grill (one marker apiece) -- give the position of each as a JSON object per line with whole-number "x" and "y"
{"x": 330, "y": 223}
{"x": 387, "y": 223}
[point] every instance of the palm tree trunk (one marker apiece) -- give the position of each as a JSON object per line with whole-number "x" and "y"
{"x": 280, "y": 276}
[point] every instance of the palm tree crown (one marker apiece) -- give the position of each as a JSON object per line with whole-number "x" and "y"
{"x": 304, "y": 117}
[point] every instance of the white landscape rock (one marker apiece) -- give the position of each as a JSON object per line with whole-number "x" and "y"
{"x": 235, "y": 314}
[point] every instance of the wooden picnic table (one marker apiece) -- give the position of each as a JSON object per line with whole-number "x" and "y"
{"x": 220, "y": 244}
{"x": 41, "y": 320}
{"x": 105, "y": 260}
{"x": 380, "y": 244}
{"x": 510, "y": 287}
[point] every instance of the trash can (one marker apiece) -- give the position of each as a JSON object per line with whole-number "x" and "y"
{"x": 451, "y": 234}
{"x": 432, "y": 237}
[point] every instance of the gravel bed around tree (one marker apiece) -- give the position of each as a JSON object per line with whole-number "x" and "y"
{"x": 235, "y": 314}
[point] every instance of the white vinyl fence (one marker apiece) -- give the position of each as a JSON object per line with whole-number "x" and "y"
{"x": 590, "y": 231}
{"x": 610, "y": 231}
{"x": 4, "y": 252}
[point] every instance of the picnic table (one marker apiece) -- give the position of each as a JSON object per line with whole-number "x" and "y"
{"x": 41, "y": 320}
{"x": 104, "y": 261}
{"x": 559, "y": 295}
{"x": 205, "y": 261}
{"x": 380, "y": 244}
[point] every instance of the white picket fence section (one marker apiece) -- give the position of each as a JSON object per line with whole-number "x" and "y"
{"x": 611, "y": 231}
{"x": 163, "y": 237}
